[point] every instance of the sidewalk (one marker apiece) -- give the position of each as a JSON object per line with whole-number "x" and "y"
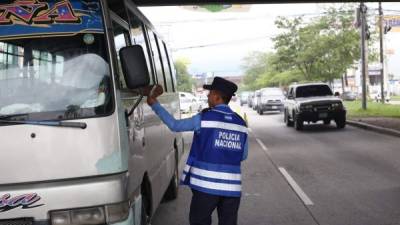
{"x": 385, "y": 125}
{"x": 394, "y": 102}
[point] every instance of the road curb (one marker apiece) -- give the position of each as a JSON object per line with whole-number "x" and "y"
{"x": 374, "y": 128}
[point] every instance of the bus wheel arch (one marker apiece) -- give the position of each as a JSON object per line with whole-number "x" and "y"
{"x": 146, "y": 200}
{"x": 172, "y": 190}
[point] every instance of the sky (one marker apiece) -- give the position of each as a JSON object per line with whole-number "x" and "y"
{"x": 216, "y": 43}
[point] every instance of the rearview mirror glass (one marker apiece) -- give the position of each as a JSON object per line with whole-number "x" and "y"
{"x": 134, "y": 66}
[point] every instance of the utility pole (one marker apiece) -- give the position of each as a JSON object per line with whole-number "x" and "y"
{"x": 381, "y": 51}
{"x": 364, "y": 63}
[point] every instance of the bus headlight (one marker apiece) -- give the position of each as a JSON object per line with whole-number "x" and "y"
{"x": 117, "y": 212}
{"x": 94, "y": 215}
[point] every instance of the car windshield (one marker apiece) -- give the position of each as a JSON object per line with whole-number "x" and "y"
{"x": 185, "y": 100}
{"x": 272, "y": 92}
{"x": 313, "y": 90}
{"x": 62, "y": 73}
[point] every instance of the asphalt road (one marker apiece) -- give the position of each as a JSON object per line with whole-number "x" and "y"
{"x": 318, "y": 176}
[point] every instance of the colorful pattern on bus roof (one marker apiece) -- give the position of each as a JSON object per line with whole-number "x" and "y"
{"x": 25, "y": 18}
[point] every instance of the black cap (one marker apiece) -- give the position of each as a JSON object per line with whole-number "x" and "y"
{"x": 220, "y": 84}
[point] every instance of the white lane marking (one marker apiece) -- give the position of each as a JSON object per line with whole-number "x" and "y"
{"x": 296, "y": 187}
{"x": 262, "y": 145}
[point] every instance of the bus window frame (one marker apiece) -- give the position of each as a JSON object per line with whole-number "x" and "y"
{"x": 169, "y": 67}
{"x": 151, "y": 55}
{"x": 146, "y": 26}
{"x": 151, "y": 32}
{"x": 157, "y": 39}
{"x": 131, "y": 13}
{"x": 114, "y": 18}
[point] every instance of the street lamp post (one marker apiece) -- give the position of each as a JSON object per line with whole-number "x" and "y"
{"x": 381, "y": 51}
{"x": 364, "y": 69}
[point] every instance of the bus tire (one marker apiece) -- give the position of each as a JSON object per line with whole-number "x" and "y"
{"x": 144, "y": 217}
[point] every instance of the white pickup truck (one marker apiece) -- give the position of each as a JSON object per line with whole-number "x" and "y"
{"x": 313, "y": 102}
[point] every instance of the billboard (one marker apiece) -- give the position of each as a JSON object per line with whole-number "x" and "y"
{"x": 36, "y": 18}
{"x": 392, "y": 21}
{"x": 218, "y": 8}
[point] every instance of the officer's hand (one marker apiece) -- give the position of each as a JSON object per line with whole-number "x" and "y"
{"x": 152, "y": 93}
{"x": 156, "y": 91}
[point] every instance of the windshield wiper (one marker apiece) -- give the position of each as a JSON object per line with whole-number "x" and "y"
{"x": 45, "y": 123}
{"x": 2, "y": 117}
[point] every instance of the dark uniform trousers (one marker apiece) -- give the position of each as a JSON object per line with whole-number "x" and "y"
{"x": 204, "y": 204}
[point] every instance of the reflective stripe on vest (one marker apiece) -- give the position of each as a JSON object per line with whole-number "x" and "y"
{"x": 216, "y": 186}
{"x": 214, "y": 182}
{"x": 222, "y": 125}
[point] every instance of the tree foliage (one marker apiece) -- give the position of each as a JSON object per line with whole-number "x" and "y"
{"x": 184, "y": 79}
{"x": 319, "y": 49}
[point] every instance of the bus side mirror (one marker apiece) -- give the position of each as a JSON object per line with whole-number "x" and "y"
{"x": 134, "y": 66}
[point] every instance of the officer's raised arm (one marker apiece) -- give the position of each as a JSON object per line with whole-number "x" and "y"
{"x": 190, "y": 124}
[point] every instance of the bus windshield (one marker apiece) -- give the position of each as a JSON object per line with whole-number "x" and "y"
{"x": 53, "y": 66}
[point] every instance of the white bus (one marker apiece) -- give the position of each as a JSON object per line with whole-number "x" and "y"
{"x": 78, "y": 143}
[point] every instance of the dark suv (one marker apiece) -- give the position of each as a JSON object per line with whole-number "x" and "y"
{"x": 311, "y": 103}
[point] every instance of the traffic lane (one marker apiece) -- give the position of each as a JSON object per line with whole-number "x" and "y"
{"x": 176, "y": 212}
{"x": 267, "y": 198}
{"x": 351, "y": 175}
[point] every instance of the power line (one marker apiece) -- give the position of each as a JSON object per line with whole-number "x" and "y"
{"x": 248, "y": 18}
{"x": 220, "y": 43}
{"x": 213, "y": 20}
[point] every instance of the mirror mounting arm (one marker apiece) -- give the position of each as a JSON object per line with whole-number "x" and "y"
{"x": 136, "y": 104}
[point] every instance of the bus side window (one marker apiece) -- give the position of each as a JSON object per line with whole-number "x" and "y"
{"x": 167, "y": 70}
{"x": 121, "y": 39}
{"x": 157, "y": 63}
{"x": 138, "y": 37}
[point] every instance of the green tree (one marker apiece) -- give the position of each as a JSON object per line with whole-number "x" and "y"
{"x": 316, "y": 49}
{"x": 261, "y": 70}
{"x": 215, "y": 7}
{"x": 184, "y": 79}
{"x": 254, "y": 65}
{"x": 321, "y": 49}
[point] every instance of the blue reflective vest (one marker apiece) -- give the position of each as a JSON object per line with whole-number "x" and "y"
{"x": 213, "y": 165}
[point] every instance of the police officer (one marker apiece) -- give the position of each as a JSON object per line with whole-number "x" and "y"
{"x": 219, "y": 145}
